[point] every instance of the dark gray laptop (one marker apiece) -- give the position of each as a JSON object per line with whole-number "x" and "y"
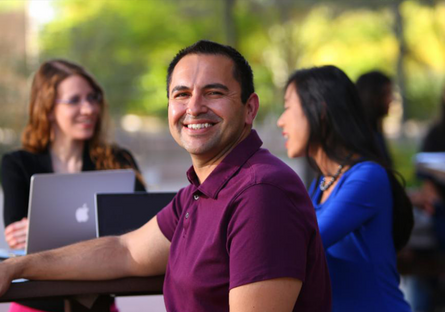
{"x": 61, "y": 206}
{"x": 121, "y": 213}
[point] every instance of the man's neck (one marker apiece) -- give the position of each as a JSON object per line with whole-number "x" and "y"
{"x": 204, "y": 165}
{"x": 204, "y": 171}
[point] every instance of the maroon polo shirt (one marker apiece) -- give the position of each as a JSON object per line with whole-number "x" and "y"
{"x": 251, "y": 220}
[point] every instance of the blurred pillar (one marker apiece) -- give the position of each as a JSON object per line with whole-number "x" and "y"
{"x": 31, "y": 37}
{"x": 229, "y": 21}
{"x": 399, "y": 33}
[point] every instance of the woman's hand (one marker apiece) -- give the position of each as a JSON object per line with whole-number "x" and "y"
{"x": 15, "y": 234}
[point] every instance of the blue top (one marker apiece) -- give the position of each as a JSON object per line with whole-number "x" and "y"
{"x": 356, "y": 229}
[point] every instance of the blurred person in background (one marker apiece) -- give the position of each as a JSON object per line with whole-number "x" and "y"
{"x": 65, "y": 133}
{"x": 432, "y": 193}
{"x": 359, "y": 203}
{"x": 376, "y": 93}
{"x": 427, "y": 293}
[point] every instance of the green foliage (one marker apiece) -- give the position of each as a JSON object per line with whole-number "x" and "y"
{"x": 6, "y": 6}
{"x": 403, "y": 152}
{"x": 423, "y": 96}
{"x": 425, "y": 61}
{"x": 128, "y": 44}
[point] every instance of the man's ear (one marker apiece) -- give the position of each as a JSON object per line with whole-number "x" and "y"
{"x": 252, "y": 106}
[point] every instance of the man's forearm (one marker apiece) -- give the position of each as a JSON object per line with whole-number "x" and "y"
{"x": 97, "y": 259}
{"x": 143, "y": 252}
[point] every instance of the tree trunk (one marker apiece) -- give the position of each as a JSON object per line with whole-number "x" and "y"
{"x": 399, "y": 32}
{"x": 229, "y": 21}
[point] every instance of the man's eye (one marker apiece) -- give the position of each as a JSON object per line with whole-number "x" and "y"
{"x": 180, "y": 95}
{"x": 214, "y": 93}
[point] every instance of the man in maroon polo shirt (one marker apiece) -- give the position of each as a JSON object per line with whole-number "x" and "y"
{"x": 242, "y": 236}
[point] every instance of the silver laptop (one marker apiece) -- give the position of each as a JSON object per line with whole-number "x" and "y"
{"x": 61, "y": 206}
{"x": 123, "y": 212}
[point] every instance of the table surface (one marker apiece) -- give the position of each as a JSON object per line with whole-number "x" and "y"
{"x": 129, "y": 286}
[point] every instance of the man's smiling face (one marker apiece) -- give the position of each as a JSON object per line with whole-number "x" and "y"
{"x": 205, "y": 114}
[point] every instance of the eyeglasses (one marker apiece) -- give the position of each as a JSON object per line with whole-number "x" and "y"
{"x": 93, "y": 98}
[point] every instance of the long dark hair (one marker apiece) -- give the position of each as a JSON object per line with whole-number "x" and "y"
{"x": 373, "y": 88}
{"x": 440, "y": 123}
{"x": 338, "y": 126}
{"x": 442, "y": 119}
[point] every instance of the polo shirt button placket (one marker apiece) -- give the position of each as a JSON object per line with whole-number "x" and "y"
{"x": 185, "y": 224}
{"x": 187, "y": 218}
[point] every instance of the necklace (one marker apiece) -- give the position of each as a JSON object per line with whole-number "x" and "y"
{"x": 325, "y": 183}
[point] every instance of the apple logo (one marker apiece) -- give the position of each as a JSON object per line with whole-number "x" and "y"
{"x": 82, "y": 213}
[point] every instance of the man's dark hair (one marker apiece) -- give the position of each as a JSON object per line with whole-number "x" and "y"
{"x": 337, "y": 124}
{"x": 242, "y": 71}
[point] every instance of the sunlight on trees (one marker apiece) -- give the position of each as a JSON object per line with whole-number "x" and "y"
{"x": 128, "y": 44}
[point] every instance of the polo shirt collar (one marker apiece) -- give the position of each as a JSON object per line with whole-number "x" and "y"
{"x": 228, "y": 166}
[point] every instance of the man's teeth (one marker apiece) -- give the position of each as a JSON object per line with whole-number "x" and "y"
{"x": 199, "y": 126}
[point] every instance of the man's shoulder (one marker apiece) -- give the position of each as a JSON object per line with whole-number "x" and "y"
{"x": 267, "y": 168}
{"x": 265, "y": 182}
{"x": 265, "y": 171}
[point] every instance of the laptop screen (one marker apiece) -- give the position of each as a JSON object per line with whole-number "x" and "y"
{"x": 124, "y": 212}
{"x": 61, "y": 206}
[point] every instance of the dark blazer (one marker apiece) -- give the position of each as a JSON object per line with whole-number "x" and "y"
{"x": 16, "y": 170}
{"x": 19, "y": 166}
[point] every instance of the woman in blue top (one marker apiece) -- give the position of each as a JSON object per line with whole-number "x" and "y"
{"x": 363, "y": 212}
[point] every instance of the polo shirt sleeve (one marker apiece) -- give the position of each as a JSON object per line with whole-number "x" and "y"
{"x": 268, "y": 235}
{"x": 169, "y": 216}
{"x": 360, "y": 197}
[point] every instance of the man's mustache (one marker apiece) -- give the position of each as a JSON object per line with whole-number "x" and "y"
{"x": 208, "y": 117}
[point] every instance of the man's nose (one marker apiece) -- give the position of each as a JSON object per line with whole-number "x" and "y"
{"x": 196, "y": 105}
